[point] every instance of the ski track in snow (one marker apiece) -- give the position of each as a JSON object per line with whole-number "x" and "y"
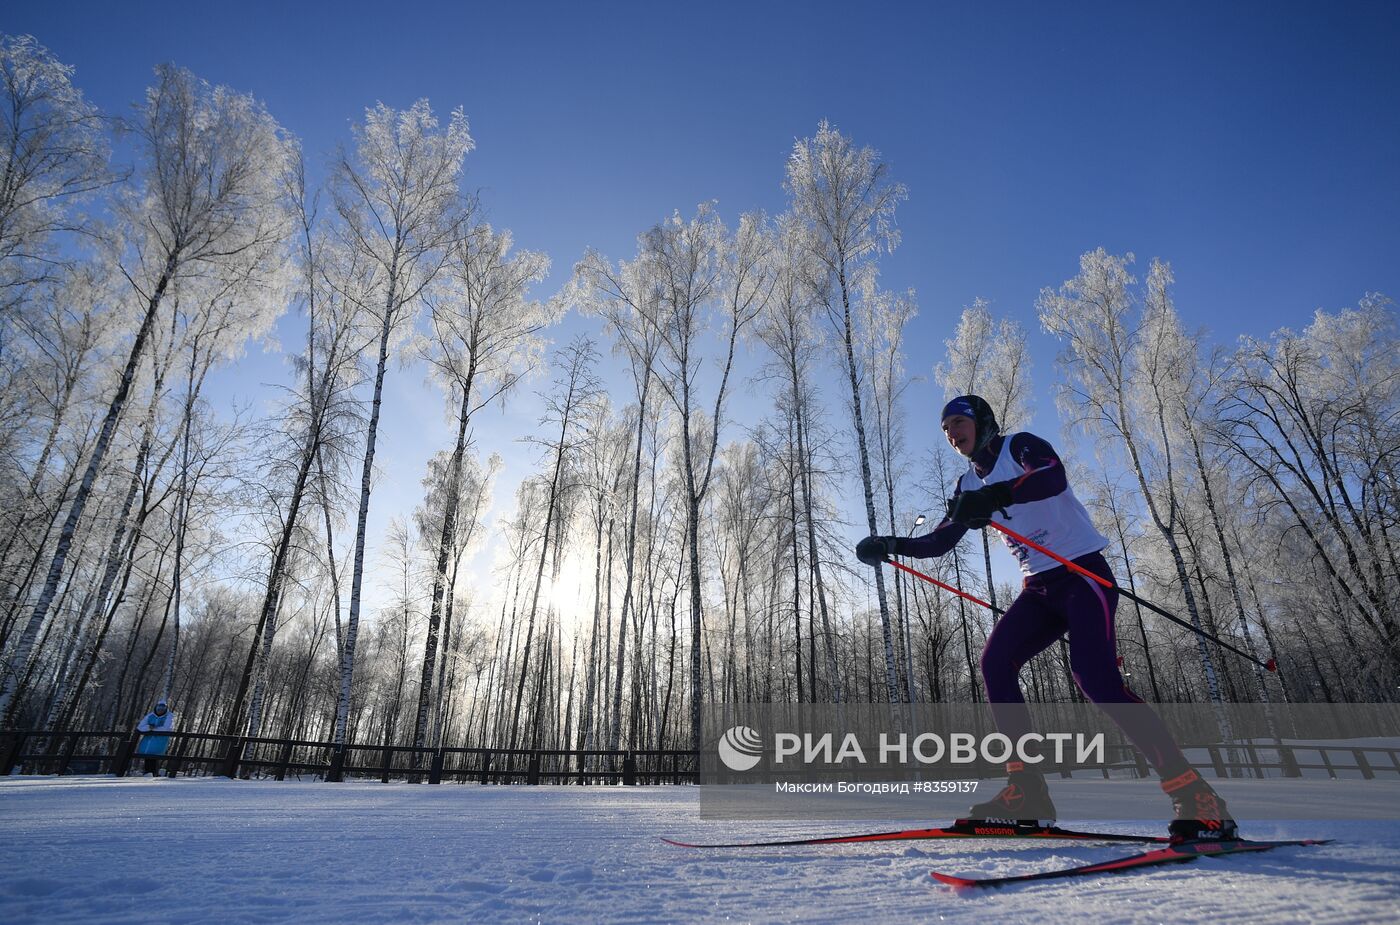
{"x": 185, "y": 850}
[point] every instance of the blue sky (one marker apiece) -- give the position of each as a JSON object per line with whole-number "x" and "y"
{"x": 1253, "y": 145}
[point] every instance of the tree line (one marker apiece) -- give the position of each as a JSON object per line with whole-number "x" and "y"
{"x": 156, "y": 546}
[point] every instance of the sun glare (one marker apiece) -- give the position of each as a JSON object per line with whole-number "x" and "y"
{"x": 570, "y": 594}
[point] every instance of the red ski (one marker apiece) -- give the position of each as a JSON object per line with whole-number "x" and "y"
{"x": 1172, "y": 854}
{"x": 968, "y": 830}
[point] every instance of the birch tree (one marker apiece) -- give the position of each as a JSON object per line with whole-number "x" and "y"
{"x": 54, "y": 373}
{"x": 217, "y": 316}
{"x": 209, "y": 200}
{"x": 701, "y": 274}
{"x": 1120, "y": 384}
{"x": 486, "y": 338}
{"x": 1312, "y": 415}
{"x": 844, "y": 197}
{"x": 397, "y": 199}
{"x": 54, "y": 146}
{"x": 989, "y": 358}
{"x": 576, "y": 388}
{"x": 787, "y": 328}
{"x": 311, "y": 431}
{"x": 465, "y": 500}
{"x": 624, "y": 297}
{"x": 604, "y": 469}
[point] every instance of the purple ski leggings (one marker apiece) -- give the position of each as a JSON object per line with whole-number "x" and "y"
{"x": 1053, "y": 603}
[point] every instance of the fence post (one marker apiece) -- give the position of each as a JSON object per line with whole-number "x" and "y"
{"x": 67, "y": 755}
{"x": 1327, "y": 762}
{"x": 13, "y": 753}
{"x": 122, "y": 761}
{"x": 435, "y": 773}
{"x": 1216, "y": 761}
{"x": 176, "y": 761}
{"x": 284, "y": 760}
{"x": 629, "y": 770}
{"x": 1363, "y": 765}
{"x": 388, "y": 764}
{"x": 532, "y": 773}
{"x": 232, "y": 757}
{"x": 486, "y": 767}
{"x": 1254, "y": 760}
{"x": 337, "y": 769}
{"x": 1290, "y": 762}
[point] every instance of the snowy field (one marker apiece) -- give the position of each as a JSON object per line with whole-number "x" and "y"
{"x": 213, "y": 850}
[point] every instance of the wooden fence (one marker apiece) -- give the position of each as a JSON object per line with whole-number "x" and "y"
{"x": 195, "y": 753}
{"x": 89, "y": 752}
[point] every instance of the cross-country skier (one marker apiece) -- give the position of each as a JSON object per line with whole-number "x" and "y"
{"x": 1022, "y": 473}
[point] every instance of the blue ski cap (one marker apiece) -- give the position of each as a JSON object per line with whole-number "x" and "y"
{"x": 960, "y": 405}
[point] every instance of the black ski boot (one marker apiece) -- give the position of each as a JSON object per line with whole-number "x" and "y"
{"x": 1024, "y": 802}
{"x": 1200, "y": 812}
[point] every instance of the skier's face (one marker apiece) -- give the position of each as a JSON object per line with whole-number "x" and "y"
{"x": 961, "y": 432}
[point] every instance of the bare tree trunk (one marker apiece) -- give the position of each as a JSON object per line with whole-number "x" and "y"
{"x": 575, "y": 389}
{"x": 629, "y": 560}
{"x": 1230, "y": 578}
{"x": 1132, "y": 587}
{"x": 585, "y": 725}
{"x": 330, "y": 555}
{"x": 272, "y": 594}
{"x": 19, "y": 659}
{"x": 828, "y": 636}
{"x": 1165, "y": 529}
{"x": 114, "y": 557}
{"x": 446, "y": 542}
{"x": 867, "y": 484}
{"x": 966, "y": 632}
{"x": 352, "y": 628}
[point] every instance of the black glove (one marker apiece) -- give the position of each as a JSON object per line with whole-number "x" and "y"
{"x": 974, "y": 509}
{"x": 875, "y": 549}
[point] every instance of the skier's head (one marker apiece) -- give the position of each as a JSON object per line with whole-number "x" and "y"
{"x": 969, "y": 424}
{"x": 160, "y": 706}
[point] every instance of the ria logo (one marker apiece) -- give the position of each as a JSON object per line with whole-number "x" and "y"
{"x": 740, "y": 748}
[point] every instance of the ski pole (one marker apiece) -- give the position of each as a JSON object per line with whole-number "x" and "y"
{"x": 1270, "y": 665}
{"x": 934, "y": 581}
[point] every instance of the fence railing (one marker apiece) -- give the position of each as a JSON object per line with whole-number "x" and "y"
{"x": 88, "y": 752}
{"x": 195, "y": 753}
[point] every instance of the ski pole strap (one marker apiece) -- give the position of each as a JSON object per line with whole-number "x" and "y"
{"x": 1270, "y": 665}
{"x": 934, "y": 581}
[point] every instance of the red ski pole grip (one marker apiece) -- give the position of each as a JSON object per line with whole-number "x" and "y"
{"x": 1272, "y": 665}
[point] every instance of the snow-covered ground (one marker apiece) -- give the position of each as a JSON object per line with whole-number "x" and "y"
{"x": 212, "y": 850}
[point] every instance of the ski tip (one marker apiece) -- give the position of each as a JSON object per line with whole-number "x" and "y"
{"x": 957, "y": 883}
{"x": 679, "y": 844}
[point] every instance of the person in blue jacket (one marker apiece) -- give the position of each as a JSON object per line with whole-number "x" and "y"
{"x": 152, "y": 747}
{"x": 1023, "y": 475}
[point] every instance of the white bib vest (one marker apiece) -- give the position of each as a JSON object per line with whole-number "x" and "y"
{"x": 1060, "y": 524}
